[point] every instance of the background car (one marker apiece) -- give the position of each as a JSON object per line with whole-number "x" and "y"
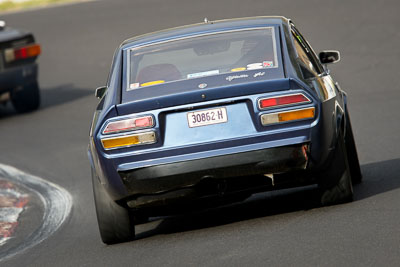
{"x": 18, "y": 69}
{"x": 212, "y": 113}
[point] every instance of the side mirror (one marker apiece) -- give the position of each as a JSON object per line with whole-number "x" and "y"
{"x": 100, "y": 91}
{"x": 329, "y": 56}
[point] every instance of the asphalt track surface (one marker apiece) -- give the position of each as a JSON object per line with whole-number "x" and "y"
{"x": 274, "y": 229}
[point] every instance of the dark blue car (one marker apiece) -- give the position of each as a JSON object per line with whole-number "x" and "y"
{"x": 211, "y": 113}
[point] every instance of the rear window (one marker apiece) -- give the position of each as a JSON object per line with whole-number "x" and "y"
{"x": 201, "y": 56}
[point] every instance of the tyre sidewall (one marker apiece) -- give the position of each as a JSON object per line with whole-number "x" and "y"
{"x": 115, "y": 221}
{"x": 335, "y": 183}
{"x": 26, "y": 98}
{"x": 352, "y": 154}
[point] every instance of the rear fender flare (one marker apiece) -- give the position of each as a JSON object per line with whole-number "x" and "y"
{"x": 344, "y": 96}
{"x": 339, "y": 119}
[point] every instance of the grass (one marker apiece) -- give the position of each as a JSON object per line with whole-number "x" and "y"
{"x": 11, "y": 5}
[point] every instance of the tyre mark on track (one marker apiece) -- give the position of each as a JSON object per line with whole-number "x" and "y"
{"x": 57, "y": 203}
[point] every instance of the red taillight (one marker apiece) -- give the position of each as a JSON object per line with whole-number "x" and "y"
{"x": 13, "y": 54}
{"x": 21, "y": 53}
{"x": 129, "y": 124}
{"x": 144, "y": 122}
{"x": 283, "y": 101}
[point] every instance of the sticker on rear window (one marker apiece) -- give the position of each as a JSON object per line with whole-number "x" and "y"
{"x": 268, "y": 64}
{"x": 133, "y": 86}
{"x": 202, "y": 74}
{"x": 254, "y": 66}
{"x": 238, "y": 69}
{"x": 152, "y": 83}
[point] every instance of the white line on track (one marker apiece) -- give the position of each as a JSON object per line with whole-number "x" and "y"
{"x": 57, "y": 203}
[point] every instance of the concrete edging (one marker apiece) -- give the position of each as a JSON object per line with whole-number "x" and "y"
{"x": 57, "y": 203}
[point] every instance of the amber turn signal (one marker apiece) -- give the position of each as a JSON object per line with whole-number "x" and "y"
{"x": 129, "y": 140}
{"x": 293, "y": 115}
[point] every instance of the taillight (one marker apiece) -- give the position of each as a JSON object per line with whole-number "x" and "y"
{"x": 129, "y": 140}
{"x": 129, "y": 125}
{"x": 286, "y": 116}
{"x": 12, "y": 54}
{"x": 273, "y": 102}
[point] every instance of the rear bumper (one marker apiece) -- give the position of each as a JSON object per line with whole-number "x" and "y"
{"x": 17, "y": 76}
{"x": 153, "y": 185}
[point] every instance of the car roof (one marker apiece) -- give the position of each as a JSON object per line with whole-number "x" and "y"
{"x": 205, "y": 27}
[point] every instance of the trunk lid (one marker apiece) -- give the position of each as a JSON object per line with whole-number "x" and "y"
{"x": 145, "y": 101}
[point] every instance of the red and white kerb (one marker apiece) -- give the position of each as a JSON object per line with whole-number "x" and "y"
{"x": 12, "y": 203}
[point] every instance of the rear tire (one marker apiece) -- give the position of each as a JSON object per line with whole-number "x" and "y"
{"x": 335, "y": 184}
{"x": 115, "y": 222}
{"x": 26, "y": 99}
{"x": 352, "y": 155}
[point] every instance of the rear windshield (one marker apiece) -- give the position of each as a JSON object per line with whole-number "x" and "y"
{"x": 202, "y": 55}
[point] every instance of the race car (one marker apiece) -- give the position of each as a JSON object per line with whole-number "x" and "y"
{"x": 18, "y": 69}
{"x": 212, "y": 113}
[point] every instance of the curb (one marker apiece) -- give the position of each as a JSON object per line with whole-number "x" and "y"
{"x": 57, "y": 203}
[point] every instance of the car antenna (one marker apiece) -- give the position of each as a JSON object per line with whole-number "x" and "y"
{"x": 207, "y": 21}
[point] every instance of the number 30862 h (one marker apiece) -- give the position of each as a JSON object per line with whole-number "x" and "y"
{"x": 207, "y": 117}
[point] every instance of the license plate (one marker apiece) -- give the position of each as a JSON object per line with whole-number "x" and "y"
{"x": 207, "y": 117}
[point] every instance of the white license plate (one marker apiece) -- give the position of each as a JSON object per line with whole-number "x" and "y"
{"x": 207, "y": 117}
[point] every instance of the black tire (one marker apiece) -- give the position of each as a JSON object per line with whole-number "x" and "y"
{"x": 27, "y": 98}
{"x": 352, "y": 155}
{"x": 115, "y": 222}
{"x": 335, "y": 183}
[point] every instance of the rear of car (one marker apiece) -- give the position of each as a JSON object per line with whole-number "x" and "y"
{"x": 18, "y": 69}
{"x": 208, "y": 114}
{"x": 216, "y": 109}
